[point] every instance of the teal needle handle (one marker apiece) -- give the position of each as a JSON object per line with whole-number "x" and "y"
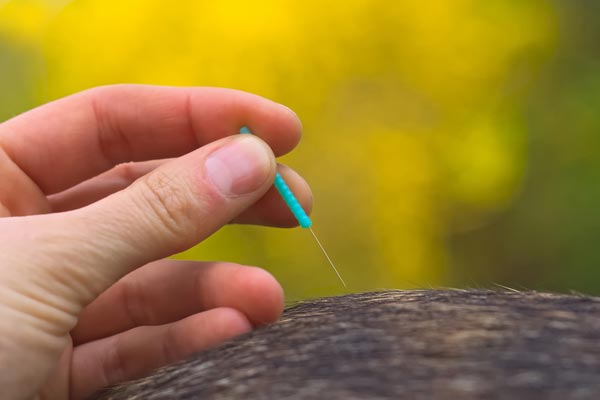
{"x": 292, "y": 202}
{"x": 288, "y": 196}
{"x": 297, "y": 210}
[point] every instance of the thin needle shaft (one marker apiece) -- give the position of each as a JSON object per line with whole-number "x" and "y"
{"x": 296, "y": 209}
{"x": 327, "y": 256}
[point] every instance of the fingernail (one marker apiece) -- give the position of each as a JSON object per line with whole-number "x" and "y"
{"x": 239, "y": 167}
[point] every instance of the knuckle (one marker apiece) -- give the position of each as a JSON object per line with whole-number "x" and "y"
{"x": 170, "y": 343}
{"x": 114, "y": 363}
{"x": 168, "y": 203}
{"x": 136, "y": 305}
{"x": 125, "y": 172}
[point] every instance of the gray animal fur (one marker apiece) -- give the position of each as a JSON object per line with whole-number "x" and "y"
{"x": 417, "y": 344}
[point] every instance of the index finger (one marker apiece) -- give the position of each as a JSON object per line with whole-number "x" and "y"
{"x": 75, "y": 138}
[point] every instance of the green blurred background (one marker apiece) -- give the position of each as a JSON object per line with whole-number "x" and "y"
{"x": 447, "y": 143}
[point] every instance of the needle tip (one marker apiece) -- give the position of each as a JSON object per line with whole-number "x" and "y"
{"x": 327, "y": 257}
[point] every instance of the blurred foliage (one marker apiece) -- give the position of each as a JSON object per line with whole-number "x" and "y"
{"x": 452, "y": 142}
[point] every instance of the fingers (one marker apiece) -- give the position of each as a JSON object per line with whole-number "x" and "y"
{"x": 79, "y": 254}
{"x": 169, "y": 290}
{"x": 56, "y": 264}
{"x": 73, "y": 139}
{"x": 135, "y": 353}
{"x": 102, "y": 185}
{"x": 270, "y": 210}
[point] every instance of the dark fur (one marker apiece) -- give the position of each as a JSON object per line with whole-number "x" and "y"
{"x": 417, "y": 344}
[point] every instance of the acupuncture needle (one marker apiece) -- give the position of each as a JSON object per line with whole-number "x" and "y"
{"x": 299, "y": 213}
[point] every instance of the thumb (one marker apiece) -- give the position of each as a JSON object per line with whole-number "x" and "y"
{"x": 174, "y": 207}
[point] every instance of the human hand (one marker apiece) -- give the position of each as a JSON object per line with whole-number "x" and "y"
{"x": 86, "y": 299}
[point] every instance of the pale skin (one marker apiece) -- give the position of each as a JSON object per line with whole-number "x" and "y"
{"x": 87, "y": 298}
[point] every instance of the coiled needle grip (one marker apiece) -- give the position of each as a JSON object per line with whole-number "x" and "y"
{"x": 296, "y": 209}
